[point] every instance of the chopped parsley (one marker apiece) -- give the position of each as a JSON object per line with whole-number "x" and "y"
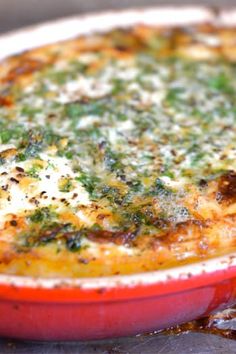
{"x": 130, "y": 133}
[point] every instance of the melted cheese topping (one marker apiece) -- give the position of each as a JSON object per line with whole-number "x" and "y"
{"x": 117, "y": 153}
{"x": 22, "y": 193}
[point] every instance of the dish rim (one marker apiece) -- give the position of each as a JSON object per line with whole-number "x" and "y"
{"x": 27, "y": 38}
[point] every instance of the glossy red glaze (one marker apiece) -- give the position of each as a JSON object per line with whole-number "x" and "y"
{"x": 74, "y": 313}
{"x": 121, "y": 305}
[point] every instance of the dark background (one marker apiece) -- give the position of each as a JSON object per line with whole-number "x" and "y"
{"x": 19, "y": 13}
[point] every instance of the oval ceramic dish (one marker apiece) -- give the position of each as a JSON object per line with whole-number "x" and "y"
{"x": 69, "y": 309}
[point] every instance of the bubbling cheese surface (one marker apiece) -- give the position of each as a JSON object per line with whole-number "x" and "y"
{"x": 117, "y": 152}
{"x": 22, "y": 193}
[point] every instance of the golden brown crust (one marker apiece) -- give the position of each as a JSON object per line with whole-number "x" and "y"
{"x": 211, "y": 204}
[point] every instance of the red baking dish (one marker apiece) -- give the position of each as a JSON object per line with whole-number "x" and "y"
{"x": 92, "y": 308}
{"x": 114, "y": 306}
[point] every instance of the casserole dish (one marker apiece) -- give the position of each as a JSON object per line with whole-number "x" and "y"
{"x": 109, "y": 306}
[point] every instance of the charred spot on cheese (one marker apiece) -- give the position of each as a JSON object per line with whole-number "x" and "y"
{"x": 227, "y": 186}
{"x": 118, "y": 237}
{"x": 121, "y": 145}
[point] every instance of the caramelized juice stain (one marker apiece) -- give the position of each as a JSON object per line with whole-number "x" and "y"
{"x": 222, "y": 324}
